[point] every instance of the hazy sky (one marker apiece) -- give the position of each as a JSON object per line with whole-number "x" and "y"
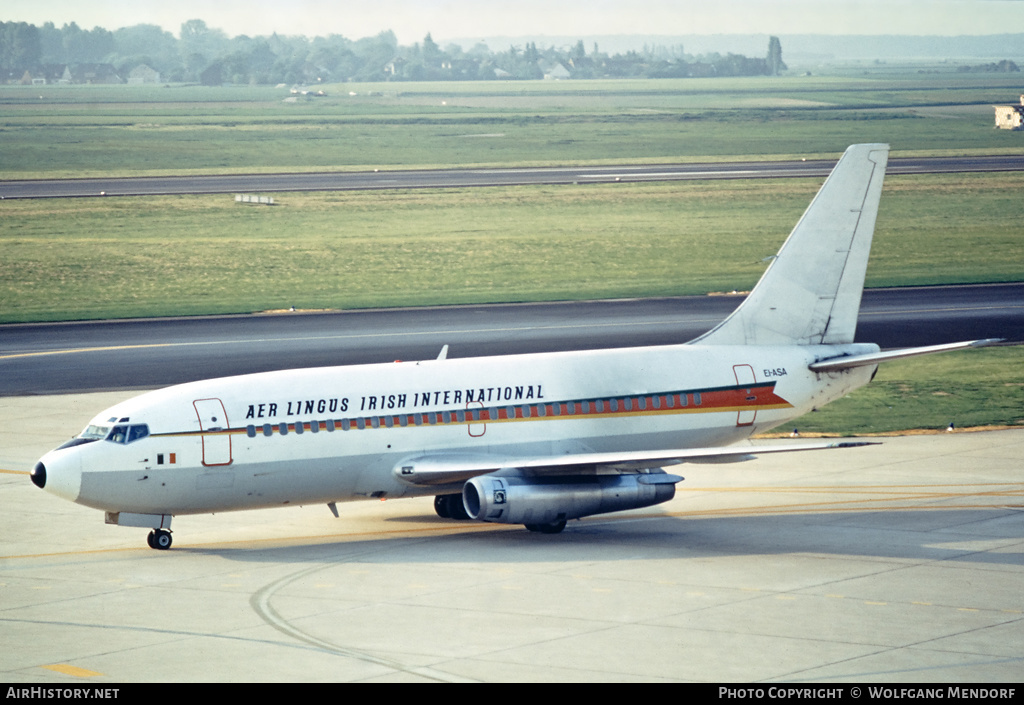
{"x": 448, "y": 19}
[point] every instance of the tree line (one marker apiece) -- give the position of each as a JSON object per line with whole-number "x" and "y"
{"x": 202, "y": 54}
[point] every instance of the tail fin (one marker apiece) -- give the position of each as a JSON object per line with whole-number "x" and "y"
{"x": 810, "y": 293}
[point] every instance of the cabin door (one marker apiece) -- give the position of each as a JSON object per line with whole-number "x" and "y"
{"x": 213, "y": 421}
{"x": 745, "y": 376}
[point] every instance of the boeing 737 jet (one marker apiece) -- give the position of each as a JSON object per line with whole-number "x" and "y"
{"x": 534, "y": 439}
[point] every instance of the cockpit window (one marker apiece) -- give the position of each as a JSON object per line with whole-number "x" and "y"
{"x": 95, "y": 433}
{"x": 137, "y": 432}
{"x": 121, "y": 433}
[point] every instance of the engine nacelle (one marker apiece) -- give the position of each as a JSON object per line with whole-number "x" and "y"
{"x": 532, "y": 500}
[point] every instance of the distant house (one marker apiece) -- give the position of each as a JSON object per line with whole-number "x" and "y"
{"x": 142, "y": 74}
{"x": 92, "y": 74}
{"x": 396, "y": 66}
{"x": 555, "y": 71}
{"x": 31, "y": 79}
{"x": 464, "y": 68}
{"x": 1010, "y": 117}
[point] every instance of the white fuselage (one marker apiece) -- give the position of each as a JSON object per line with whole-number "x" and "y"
{"x": 336, "y": 434}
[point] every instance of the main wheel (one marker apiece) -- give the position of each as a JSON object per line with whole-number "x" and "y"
{"x": 450, "y": 506}
{"x": 160, "y": 539}
{"x": 441, "y": 506}
{"x": 456, "y": 508}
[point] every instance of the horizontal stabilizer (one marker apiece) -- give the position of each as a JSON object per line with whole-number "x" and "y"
{"x": 843, "y": 363}
{"x": 444, "y": 469}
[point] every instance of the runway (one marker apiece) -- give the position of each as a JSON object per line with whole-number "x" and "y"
{"x": 465, "y": 178}
{"x": 894, "y": 563}
{"x": 140, "y": 354}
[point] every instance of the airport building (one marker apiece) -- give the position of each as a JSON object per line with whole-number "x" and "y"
{"x": 1010, "y": 117}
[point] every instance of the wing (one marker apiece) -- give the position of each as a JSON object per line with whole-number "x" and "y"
{"x": 448, "y": 468}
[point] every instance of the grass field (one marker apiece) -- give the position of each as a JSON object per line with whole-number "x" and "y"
{"x": 184, "y": 255}
{"x": 90, "y": 130}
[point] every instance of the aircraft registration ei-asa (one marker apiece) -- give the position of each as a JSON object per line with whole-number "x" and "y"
{"x": 534, "y": 439}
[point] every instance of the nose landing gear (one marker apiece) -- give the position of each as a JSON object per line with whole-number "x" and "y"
{"x": 159, "y": 539}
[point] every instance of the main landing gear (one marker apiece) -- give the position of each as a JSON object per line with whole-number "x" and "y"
{"x": 450, "y": 506}
{"x": 159, "y": 539}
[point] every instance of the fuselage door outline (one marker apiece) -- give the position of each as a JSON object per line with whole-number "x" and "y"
{"x": 476, "y": 428}
{"x": 213, "y": 422}
{"x": 745, "y": 376}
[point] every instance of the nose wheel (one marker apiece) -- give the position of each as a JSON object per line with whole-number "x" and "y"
{"x": 159, "y": 539}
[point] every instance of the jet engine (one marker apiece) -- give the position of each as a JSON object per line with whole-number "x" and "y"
{"x": 545, "y": 504}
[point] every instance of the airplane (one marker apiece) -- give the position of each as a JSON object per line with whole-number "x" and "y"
{"x": 535, "y": 439}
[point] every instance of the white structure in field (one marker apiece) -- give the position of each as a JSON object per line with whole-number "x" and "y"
{"x": 1010, "y": 117}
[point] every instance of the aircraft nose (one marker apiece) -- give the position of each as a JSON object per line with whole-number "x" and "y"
{"x": 60, "y": 473}
{"x": 39, "y": 476}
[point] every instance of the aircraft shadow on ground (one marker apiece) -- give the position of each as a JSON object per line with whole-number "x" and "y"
{"x": 975, "y": 536}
